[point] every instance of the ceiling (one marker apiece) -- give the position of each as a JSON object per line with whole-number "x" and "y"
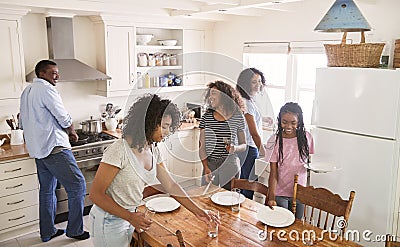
{"x": 212, "y": 10}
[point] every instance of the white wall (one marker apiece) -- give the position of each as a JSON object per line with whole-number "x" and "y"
{"x": 79, "y": 98}
{"x": 298, "y": 25}
{"x": 224, "y": 37}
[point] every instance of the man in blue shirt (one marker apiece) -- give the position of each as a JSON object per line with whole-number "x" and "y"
{"x": 47, "y": 129}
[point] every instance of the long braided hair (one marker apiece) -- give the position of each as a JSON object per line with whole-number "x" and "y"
{"x": 302, "y": 143}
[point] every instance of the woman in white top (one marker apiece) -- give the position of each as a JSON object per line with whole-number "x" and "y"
{"x": 127, "y": 166}
{"x": 249, "y": 83}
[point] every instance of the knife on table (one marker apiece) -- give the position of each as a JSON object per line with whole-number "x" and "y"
{"x": 208, "y": 185}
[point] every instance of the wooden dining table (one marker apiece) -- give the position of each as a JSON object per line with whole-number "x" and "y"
{"x": 236, "y": 229}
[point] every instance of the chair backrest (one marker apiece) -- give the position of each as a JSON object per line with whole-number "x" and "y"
{"x": 391, "y": 241}
{"x": 148, "y": 191}
{"x": 152, "y": 190}
{"x": 180, "y": 238}
{"x": 250, "y": 185}
{"x": 324, "y": 205}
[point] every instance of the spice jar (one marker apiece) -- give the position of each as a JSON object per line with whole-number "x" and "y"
{"x": 158, "y": 59}
{"x": 152, "y": 60}
{"x": 173, "y": 60}
{"x": 166, "y": 60}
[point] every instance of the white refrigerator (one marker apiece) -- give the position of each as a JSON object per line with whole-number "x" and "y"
{"x": 356, "y": 118}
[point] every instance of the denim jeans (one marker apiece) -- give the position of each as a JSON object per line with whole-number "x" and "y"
{"x": 224, "y": 170}
{"x": 60, "y": 166}
{"x": 247, "y": 160}
{"x": 287, "y": 202}
{"x": 107, "y": 230}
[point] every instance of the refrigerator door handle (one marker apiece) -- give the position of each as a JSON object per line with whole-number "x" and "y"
{"x": 314, "y": 112}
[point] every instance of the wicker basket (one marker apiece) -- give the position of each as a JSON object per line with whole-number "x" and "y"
{"x": 366, "y": 55}
{"x": 396, "y": 59}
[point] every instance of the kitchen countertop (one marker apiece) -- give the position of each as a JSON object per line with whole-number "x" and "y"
{"x": 11, "y": 152}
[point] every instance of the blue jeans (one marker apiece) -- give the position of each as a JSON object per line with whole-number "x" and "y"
{"x": 62, "y": 167}
{"x": 247, "y": 160}
{"x": 287, "y": 202}
{"x": 224, "y": 170}
{"x": 108, "y": 230}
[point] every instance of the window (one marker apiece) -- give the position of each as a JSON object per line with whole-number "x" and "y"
{"x": 290, "y": 73}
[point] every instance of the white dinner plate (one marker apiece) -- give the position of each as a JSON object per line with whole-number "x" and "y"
{"x": 279, "y": 217}
{"x": 322, "y": 167}
{"x": 163, "y": 204}
{"x": 224, "y": 198}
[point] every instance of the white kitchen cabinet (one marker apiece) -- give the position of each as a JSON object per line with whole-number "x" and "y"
{"x": 12, "y": 76}
{"x": 193, "y": 61}
{"x": 181, "y": 156}
{"x": 117, "y": 56}
{"x": 19, "y": 198}
{"x": 115, "y": 53}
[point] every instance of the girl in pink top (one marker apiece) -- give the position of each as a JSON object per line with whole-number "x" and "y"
{"x": 293, "y": 146}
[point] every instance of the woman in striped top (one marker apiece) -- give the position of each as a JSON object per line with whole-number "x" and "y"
{"x": 222, "y": 134}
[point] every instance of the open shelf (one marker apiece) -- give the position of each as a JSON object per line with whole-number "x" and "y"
{"x": 146, "y": 68}
{"x": 158, "y": 47}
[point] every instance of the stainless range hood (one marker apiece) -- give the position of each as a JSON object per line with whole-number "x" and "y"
{"x": 61, "y": 50}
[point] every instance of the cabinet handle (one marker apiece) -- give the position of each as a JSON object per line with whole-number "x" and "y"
{"x": 18, "y": 218}
{"x": 13, "y": 187}
{"x": 12, "y": 203}
{"x": 15, "y": 170}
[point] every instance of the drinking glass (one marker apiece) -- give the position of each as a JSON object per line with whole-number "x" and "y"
{"x": 212, "y": 226}
{"x": 235, "y": 200}
{"x": 226, "y": 140}
{"x": 149, "y": 212}
{"x": 308, "y": 233}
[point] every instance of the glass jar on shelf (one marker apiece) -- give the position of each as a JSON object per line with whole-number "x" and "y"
{"x": 152, "y": 60}
{"x": 173, "y": 61}
{"x": 159, "y": 59}
{"x": 165, "y": 60}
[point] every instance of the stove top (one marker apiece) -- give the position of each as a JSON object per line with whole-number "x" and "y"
{"x": 90, "y": 147}
{"x": 85, "y": 139}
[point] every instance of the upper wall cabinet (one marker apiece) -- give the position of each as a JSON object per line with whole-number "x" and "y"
{"x": 138, "y": 67}
{"x": 193, "y": 61}
{"x": 117, "y": 47}
{"x": 12, "y": 77}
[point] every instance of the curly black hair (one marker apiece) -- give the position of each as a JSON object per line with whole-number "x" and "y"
{"x": 300, "y": 131}
{"x": 244, "y": 81}
{"x": 145, "y": 115}
{"x": 232, "y": 103}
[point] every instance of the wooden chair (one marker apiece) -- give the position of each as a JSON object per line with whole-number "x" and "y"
{"x": 147, "y": 192}
{"x": 391, "y": 241}
{"x": 323, "y": 202}
{"x": 180, "y": 238}
{"x": 250, "y": 185}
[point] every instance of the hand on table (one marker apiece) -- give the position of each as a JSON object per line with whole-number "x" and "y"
{"x": 271, "y": 203}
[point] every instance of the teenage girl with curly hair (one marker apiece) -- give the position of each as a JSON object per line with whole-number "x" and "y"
{"x": 221, "y": 134}
{"x": 127, "y": 166}
{"x": 293, "y": 146}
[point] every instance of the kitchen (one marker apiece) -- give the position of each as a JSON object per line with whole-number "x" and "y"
{"x": 224, "y": 34}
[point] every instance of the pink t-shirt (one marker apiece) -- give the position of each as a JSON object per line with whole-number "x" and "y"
{"x": 291, "y": 164}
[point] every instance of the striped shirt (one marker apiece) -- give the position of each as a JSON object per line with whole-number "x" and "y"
{"x": 217, "y": 131}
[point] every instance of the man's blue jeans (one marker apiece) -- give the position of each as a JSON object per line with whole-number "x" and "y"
{"x": 62, "y": 167}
